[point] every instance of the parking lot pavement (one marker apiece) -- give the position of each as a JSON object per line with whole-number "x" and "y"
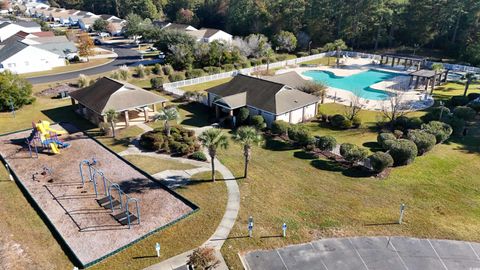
{"x": 370, "y": 253}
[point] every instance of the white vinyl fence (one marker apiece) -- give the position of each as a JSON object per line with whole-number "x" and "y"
{"x": 174, "y": 87}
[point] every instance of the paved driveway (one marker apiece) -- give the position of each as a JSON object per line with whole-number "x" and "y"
{"x": 369, "y": 253}
{"x": 126, "y": 56}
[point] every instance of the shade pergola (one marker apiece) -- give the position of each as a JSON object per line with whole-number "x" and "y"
{"x": 109, "y": 94}
{"x": 428, "y": 77}
{"x": 408, "y": 60}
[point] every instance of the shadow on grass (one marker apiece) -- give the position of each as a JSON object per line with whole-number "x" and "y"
{"x": 304, "y": 155}
{"x": 197, "y": 115}
{"x": 278, "y": 145}
{"x": 373, "y": 146}
{"x": 332, "y": 166}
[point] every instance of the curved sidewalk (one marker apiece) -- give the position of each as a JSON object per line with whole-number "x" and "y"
{"x": 389, "y": 253}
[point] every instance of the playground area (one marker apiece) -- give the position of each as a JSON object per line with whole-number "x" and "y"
{"x": 96, "y": 202}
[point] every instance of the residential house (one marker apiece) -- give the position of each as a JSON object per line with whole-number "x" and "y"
{"x": 76, "y": 15}
{"x": 131, "y": 101}
{"x": 59, "y": 45}
{"x": 87, "y": 22}
{"x": 20, "y": 57}
{"x": 8, "y": 29}
{"x": 116, "y": 25}
{"x": 206, "y": 35}
{"x": 273, "y": 100}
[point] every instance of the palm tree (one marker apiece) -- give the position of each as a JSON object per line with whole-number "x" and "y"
{"x": 470, "y": 77}
{"x": 213, "y": 139}
{"x": 167, "y": 115}
{"x": 247, "y": 136}
{"x": 269, "y": 53}
{"x": 339, "y": 46}
{"x": 112, "y": 116}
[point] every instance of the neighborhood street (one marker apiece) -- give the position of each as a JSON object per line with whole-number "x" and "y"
{"x": 126, "y": 56}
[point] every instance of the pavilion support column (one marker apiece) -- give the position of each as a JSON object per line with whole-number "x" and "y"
{"x": 411, "y": 80}
{"x": 145, "y": 111}
{"x": 127, "y": 120}
{"x": 427, "y": 83}
{"x": 416, "y": 82}
{"x": 381, "y": 60}
{"x": 393, "y": 61}
{"x": 433, "y": 84}
{"x": 154, "y": 108}
{"x": 446, "y": 75}
{"x": 105, "y": 120}
{"x": 217, "y": 112}
{"x": 73, "y": 101}
{"x": 398, "y": 61}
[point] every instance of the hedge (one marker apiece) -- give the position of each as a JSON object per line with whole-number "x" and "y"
{"x": 442, "y": 131}
{"x": 423, "y": 140}
{"x": 380, "y": 161}
{"x": 403, "y": 152}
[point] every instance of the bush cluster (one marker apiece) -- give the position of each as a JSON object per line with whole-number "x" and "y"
{"x": 301, "y": 135}
{"x": 194, "y": 73}
{"x": 403, "y": 151}
{"x": 458, "y": 101}
{"x": 156, "y": 82}
{"x": 440, "y": 130}
{"x": 280, "y": 127}
{"x": 423, "y": 140}
{"x": 340, "y": 121}
{"x": 385, "y": 140}
{"x": 465, "y": 113}
{"x": 176, "y": 76}
{"x": 258, "y": 122}
{"x": 326, "y": 143}
{"x": 380, "y": 161}
{"x": 198, "y": 155}
{"x": 181, "y": 141}
{"x": 352, "y": 153}
{"x": 212, "y": 70}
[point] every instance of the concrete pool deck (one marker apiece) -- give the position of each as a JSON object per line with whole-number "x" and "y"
{"x": 369, "y": 253}
{"x": 411, "y": 100}
{"x": 89, "y": 230}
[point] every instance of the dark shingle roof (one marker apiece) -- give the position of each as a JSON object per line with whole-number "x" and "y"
{"x": 107, "y": 93}
{"x": 10, "y": 47}
{"x": 291, "y": 78}
{"x": 3, "y": 24}
{"x": 273, "y": 97}
{"x": 27, "y": 24}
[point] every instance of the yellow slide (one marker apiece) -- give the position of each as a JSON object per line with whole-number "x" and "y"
{"x": 46, "y": 127}
{"x": 54, "y": 148}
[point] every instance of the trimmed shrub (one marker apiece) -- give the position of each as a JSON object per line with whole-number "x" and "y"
{"x": 280, "y": 127}
{"x": 440, "y": 130}
{"x": 258, "y": 122}
{"x": 356, "y": 122}
{"x": 459, "y": 101}
{"x": 194, "y": 73}
{"x": 398, "y": 134}
{"x": 338, "y": 121}
{"x": 401, "y": 123}
{"x": 352, "y": 153}
{"x": 458, "y": 125}
{"x": 434, "y": 114}
{"x": 403, "y": 152}
{"x": 300, "y": 135}
{"x": 181, "y": 141}
{"x": 200, "y": 156}
{"x": 380, "y": 161}
{"x": 228, "y": 67}
{"x": 414, "y": 123}
{"x": 157, "y": 69}
{"x": 475, "y": 106}
{"x": 464, "y": 112}
{"x": 302, "y": 54}
{"x": 423, "y": 140}
{"x": 473, "y": 96}
{"x": 82, "y": 81}
{"x": 140, "y": 71}
{"x": 156, "y": 83}
{"x": 168, "y": 70}
{"x": 326, "y": 143}
{"x": 177, "y": 76}
{"x": 124, "y": 72}
{"x": 243, "y": 115}
{"x": 383, "y": 137}
{"x": 255, "y": 62}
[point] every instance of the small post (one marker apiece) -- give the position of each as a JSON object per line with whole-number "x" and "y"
{"x": 157, "y": 248}
{"x": 284, "y": 230}
{"x": 8, "y": 171}
{"x": 250, "y": 226}
{"x": 402, "y": 210}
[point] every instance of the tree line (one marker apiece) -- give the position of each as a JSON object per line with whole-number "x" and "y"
{"x": 452, "y": 26}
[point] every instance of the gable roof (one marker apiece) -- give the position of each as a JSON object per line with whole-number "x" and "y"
{"x": 179, "y": 27}
{"x": 43, "y": 34}
{"x": 269, "y": 96}
{"x": 10, "y": 47}
{"x": 27, "y": 24}
{"x": 291, "y": 78}
{"x": 107, "y": 93}
{"x": 209, "y": 32}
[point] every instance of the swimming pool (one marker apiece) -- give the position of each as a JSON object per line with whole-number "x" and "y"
{"x": 359, "y": 84}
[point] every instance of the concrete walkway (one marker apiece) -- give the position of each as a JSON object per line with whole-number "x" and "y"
{"x": 175, "y": 178}
{"x": 367, "y": 253}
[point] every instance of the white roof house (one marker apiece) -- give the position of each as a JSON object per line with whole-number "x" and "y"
{"x": 87, "y": 22}
{"x": 19, "y": 57}
{"x": 206, "y": 35}
{"x": 8, "y": 29}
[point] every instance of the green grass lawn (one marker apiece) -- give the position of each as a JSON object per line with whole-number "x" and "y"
{"x": 122, "y": 138}
{"x": 317, "y": 198}
{"x": 153, "y": 165}
{"x": 206, "y": 85}
{"x": 321, "y": 61}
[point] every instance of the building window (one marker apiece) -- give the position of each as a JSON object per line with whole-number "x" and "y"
{"x": 10, "y": 65}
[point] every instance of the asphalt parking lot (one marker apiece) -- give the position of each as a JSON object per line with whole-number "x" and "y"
{"x": 389, "y": 253}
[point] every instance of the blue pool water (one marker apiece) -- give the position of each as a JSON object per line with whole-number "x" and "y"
{"x": 359, "y": 84}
